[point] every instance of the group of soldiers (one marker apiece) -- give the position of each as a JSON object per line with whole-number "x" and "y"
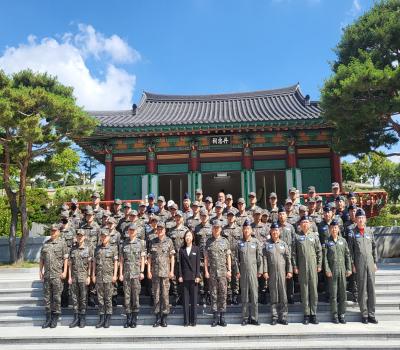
{"x": 320, "y": 245}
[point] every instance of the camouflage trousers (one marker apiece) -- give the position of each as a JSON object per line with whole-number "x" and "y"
{"x": 79, "y": 297}
{"x": 131, "y": 294}
{"x": 218, "y": 292}
{"x": 52, "y": 290}
{"x": 104, "y": 296}
{"x": 233, "y": 286}
{"x": 160, "y": 290}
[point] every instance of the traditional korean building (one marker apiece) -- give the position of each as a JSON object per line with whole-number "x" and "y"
{"x": 261, "y": 141}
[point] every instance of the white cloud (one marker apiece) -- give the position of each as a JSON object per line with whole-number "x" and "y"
{"x": 352, "y": 13}
{"x": 66, "y": 59}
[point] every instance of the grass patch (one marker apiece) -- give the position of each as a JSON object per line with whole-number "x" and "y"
{"x": 20, "y": 265}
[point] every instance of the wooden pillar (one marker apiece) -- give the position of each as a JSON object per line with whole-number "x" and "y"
{"x": 109, "y": 180}
{"x": 247, "y": 158}
{"x": 336, "y": 168}
{"x": 151, "y": 160}
{"x": 194, "y": 158}
{"x": 291, "y": 153}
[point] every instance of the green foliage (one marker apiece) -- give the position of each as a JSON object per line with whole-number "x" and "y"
{"x": 362, "y": 97}
{"x": 384, "y": 219}
{"x": 390, "y": 181}
{"x": 394, "y": 210}
{"x": 5, "y": 217}
{"x": 349, "y": 172}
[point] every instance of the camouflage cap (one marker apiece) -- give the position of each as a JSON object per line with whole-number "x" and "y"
{"x": 302, "y": 208}
{"x": 230, "y": 212}
{"x": 160, "y": 224}
{"x": 241, "y": 200}
{"x": 132, "y": 227}
{"x": 74, "y": 201}
{"x": 55, "y": 227}
{"x": 203, "y": 212}
{"x": 218, "y": 205}
{"x": 64, "y": 214}
{"x": 106, "y": 213}
{"x": 199, "y": 191}
{"x": 117, "y": 201}
{"x": 288, "y": 200}
{"x": 111, "y": 220}
{"x": 360, "y": 212}
{"x": 153, "y": 217}
{"x": 217, "y": 223}
{"x": 335, "y": 185}
{"x": 80, "y": 232}
{"x": 229, "y": 196}
{"x": 311, "y": 200}
{"x": 273, "y": 195}
{"x": 311, "y": 189}
{"x": 257, "y": 211}
{"x": 292, "y": 190}
{"x": 96, "y": 195}
{"x": 161, "y": 199}
{"x": 133, "y": 212}
{"x": 196, "y": 204}
{"x": 252, "y": 194}
{"x": 318, "y": 199}
{"x": 105, "y": 232}
{"x": 142, "y": 204}
{"x": 89, "y": 211}
{"x": 209, "y": 199}
{"x": 179, "y": 213}
{"x": 127, "y": 205}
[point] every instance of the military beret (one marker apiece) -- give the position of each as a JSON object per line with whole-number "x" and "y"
{"x": 229, "y": 196}
{"x": 117, "y": 201}
{"x": 160, "y": 224}
{"x": 161, "y": 199}
{"x": 218, "y": 205}
{"x": 151, "y": 196}
{"x": 281, "y": 209}
{"x": 305, "y": 218}
{"x": 339, "y": 198}
{"x": 199, "y": 191}
{"x": 327, "y": 208}
{"x": 273, "y": 195}
{"x": 360, "y": 212}
{"x": 96, "y": 195}
{"x": 274, "y": 225}
{"x": 334, "y": 222}
{"x": 79, "y": 231}
{"x": 105, "y": 232}
{"x": 133, "y": 212}
{"x": 252, "y": 194}
{"x": 132, "y": 227}
{"x": 247, "y": 222}
{"x": 352, "y": 207}
{"x": 241, "y": 200}
{"x": 351, "y": 195}
{"x": 186, "y": 196}
{"x": 179, "y": 213}
{"x": 209, "y": 199}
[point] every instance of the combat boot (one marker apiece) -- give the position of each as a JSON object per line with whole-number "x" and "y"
{"x": 214, "y": 323}
{"x": 101, "y": 322}
{"x": 54, "y": 320}
{"x": 47, "y": 323}
{"x": 82, "y": 321}
{"x": 107, "y": 321}
{"x": 158, "y": 320}
{"x": 134, "y": 320}
{"x": 128, "y": 320}
{"x": 222, "y": 320}
{"x": 235, "y": 300}
{"x": 314, "y": 319}
{"x": 164, "y": 321}
{"x": 75, "y": 321}
{"x": 306, "y": 319}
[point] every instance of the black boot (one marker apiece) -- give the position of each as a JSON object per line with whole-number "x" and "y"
{"x": 54, "y": 320}
{"x": 128, "y": 320}
{"x": 75, "y": 321}
{"x": 158, "y": 321}
{"x": 107, "y": 321}
{"x": 314, "y": 319}
{"x": 335, "y": 319}
{"x": 214, "y": 323}
{"x": 306, "y": 319}
{"x": 134, "y": 320}
{"x": 222, "y": 320}
{"x": 342, "y": 319}
{"x": 47, "y": 323}
{"x": 82, "y": 321}
{"x": 114, "y": 300}
{"x": 101, "y": 322}
{"x": 372, "y": 319}
{"x": 164, "y": 321}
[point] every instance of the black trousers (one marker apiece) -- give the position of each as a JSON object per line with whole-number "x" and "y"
{"x": 190, "y": 292}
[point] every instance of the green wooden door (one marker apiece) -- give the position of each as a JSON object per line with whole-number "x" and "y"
{"x": 316, "y": 172}
{"x": 128, "y": 181}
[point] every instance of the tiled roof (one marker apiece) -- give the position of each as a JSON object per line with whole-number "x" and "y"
{"x": 287, "y": 104}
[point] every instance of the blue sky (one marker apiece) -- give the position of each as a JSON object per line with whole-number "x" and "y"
{"x": 113, "y": 51}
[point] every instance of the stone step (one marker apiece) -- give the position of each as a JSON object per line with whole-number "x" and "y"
{"x": 177, "y": 319}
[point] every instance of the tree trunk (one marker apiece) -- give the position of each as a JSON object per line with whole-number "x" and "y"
{"x": 22, "y": 206}
{"x": 12, "y": 199}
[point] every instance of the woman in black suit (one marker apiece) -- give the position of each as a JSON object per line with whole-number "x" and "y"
{"x": 189, "y": 275}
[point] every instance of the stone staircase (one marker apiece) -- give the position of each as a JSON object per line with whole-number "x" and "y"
{"x": 22, "y": 313}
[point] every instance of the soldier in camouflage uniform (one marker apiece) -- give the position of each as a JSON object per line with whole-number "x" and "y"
{"x": 265, "y": 218}
{"x": 194, "y": 220}
{"x": 217, "y": 264}
{"x": 363, "y": 252}
{"x": 229, "y": 205}
{"x": 75, "y": 214}
{"x": 170, "y": 223}
{"x": 202, "y": 233}
{"x": 161, "y": 263}
{"x": 124, "y": 221}
{"x": 199, "y": 197}
{"x": 273, "y": 210}
{"x": 143, "y": 218}
{"x": 248, "y": 261}
{"x": 186, "y": 209}
{"x": 52, "y": 270}
{"x": 106, "y": 214}
{"x": 177, "y": 235}
{"x": 312, "y": 213}
{"x": 97, "y": 210}
{"x": 337, "y": 266}
{"x": 292, "y": 215}
{"x": 117, "y": 214}
{"x": 105, "y": 267}
{"x": 218, "y": 215}
{"x": 277, "y": 269}
{"x": 252, "y": 204}
{"x": 307, "y": 262}
{"x": 208, "y": 205}
{"x": 67, "y": 233}
{"x": 115, "y": 241}
{"x": 131, "y": 272}
{"x": 233, "y": 233}
{"x": 241, "y": 215}
{"x": 80, "y": 261}
{"x": 162, "y": 213}
{"x": 349, "y": 226}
